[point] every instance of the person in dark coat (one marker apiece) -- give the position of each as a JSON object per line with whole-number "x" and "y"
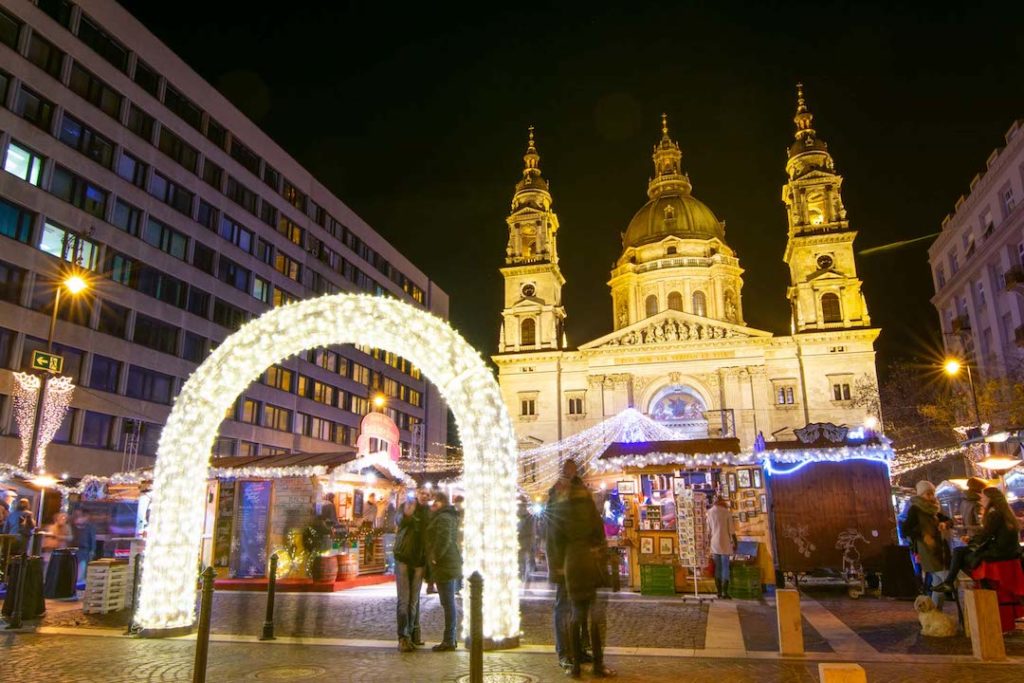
{"x": 579, "y": 531}
{"x": 83, "y": 537}
{"x": 445, "y": 561}
{"x": 997, "y": 540}
{"x": 554, "y": 549}
{"x": 925, "y": 526}
{"x": 410, "y": 562}
{"x": 21, "y": 523}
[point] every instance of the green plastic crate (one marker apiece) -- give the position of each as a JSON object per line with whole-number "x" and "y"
{"x": 745, "y": 581}
{"x": 657, "y": 579}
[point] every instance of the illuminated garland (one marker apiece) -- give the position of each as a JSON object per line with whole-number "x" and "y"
{"x": 267, "y": 472}
{"x": 906, "y": 461}
{"x": 684, "y": 459}
{"x": 381, "y": 461}
{"x": 490, "y": 546}
{"x": 55, "y": 407}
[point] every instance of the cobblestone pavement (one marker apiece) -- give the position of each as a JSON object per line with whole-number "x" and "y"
{"x": 85, "y": 659}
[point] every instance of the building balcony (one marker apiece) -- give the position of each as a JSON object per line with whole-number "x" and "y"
{"x": 1014, "y": 278}
{"x": 961, "y": 324}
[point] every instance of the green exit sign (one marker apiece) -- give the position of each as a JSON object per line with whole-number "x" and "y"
{"x": 50, "y": 362}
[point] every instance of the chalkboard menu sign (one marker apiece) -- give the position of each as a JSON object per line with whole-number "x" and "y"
{"x": 251, "y": 533}
{"x": 225, "y": 525}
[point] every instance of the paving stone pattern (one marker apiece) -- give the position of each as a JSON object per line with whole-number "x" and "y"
{"x": 83, "y": 659}
{"x": 761, "y": 629}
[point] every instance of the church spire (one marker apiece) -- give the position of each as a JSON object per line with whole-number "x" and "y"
{"x": 803, "y": 118}
{"x": 532, "y": 190}
{"x": 668, "y": 174}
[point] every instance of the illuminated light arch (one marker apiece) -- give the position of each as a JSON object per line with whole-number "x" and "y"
{"x": 167, "y": 599}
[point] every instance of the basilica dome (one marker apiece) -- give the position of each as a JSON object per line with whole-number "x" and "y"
{"x": 672, "y": 213}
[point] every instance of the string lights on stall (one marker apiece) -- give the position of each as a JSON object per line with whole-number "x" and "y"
{"x": 459, "y": 372}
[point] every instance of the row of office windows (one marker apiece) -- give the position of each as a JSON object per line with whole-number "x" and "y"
{"x": 45, "y": 55}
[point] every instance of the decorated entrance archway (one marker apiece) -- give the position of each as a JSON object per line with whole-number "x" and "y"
{"x": 167, "y": 599}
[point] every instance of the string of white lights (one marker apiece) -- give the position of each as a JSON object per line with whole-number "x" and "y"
{"x": 26, "y": 398}
{"x": 904, "y": 461}
{"x": 489, "y": 444}
{"x": 55, "y": 407}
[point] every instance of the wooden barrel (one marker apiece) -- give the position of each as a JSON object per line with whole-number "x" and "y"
{"x": 327, "y": 568}
{"x": 348, "y": 566}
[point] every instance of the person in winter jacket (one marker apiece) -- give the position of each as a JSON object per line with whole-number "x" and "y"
{"x": 410, "y": 563}
{"x": 926, "y": 527}
{"x": 722, "y": 532}
{"x": 445, "y": 562}
{"x": 554, "y": 549}
{"x": 21, "y": 523}
{"x": 997, "y": 540}
{"x": 579, "y": 531}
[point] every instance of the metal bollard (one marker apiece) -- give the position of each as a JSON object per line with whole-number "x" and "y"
{"x": 476, "y": 628}
{"x": 268, "y": 620}
{"x": 137, "y": 570}
{"x": 203, "y": 635}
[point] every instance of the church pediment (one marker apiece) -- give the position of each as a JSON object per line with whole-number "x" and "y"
{"x": 673, "y": 327}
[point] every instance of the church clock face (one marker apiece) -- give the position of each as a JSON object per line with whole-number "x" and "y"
{"x": 529, "y": 290}
{"x": 824, "y": 261}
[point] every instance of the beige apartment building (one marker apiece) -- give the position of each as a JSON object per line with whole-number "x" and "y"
{"x": 977, "y": 265}
{"x": 679, "y": 349}
{"x": 118, "y": 158}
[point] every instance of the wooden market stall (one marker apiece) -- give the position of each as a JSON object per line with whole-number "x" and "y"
{"x": 655, "y": 495}
{"x": 326, "y": 516}
{"x": 830, "y": 498}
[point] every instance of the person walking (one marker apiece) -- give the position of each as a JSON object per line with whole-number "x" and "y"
{"x": 83, "y": 537}
{"x": 997, "y": 540}
{"x": 6, "y": 499}
{"x": 722, "y": 532}
{"x": 554, "y": 550}
{"x": 410, "y": 560}
{"x": 445, "y": 561}
{"x": 926, "y": 526}
{"x": 578, "y": 529}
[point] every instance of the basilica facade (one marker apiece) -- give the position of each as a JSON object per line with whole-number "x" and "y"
{"x": 679, "y": 349}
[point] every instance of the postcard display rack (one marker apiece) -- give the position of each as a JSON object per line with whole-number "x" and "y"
{"x": 691, "y": 509}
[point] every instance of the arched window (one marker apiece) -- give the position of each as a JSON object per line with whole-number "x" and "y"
{"x": 651, "y": 304}
{"x": 700, "y": 304}
{"x": 830, "y": 310}
{"x": 675, "y": 301}
{"x": 528, "y": 332}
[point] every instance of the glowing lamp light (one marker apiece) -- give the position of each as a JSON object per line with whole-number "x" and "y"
{"x": 371, "y": 478}
{"x": 960, "y": 483}
{"x": 871, "y": 423}
{"x": 999, "y": 463}
{"x": 75, "y": 284}
{"x": 951, "y": 367}
{"x": 379, "y": 400}
{"x": 490, "y": 542}
{"x": 44, "y": 480}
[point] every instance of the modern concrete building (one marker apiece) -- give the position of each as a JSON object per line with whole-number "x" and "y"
{"x": 978, "y": 265}
{"x": 190, "y": 220}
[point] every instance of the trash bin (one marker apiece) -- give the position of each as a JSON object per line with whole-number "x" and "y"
{"x": 33, "y": 604}
{"x": 61, "y": 574}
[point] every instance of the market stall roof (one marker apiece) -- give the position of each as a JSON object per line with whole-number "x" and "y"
{"x": 684, "y": 447}
{"x": 329, "y": 460}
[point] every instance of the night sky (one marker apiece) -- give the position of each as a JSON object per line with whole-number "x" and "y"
{"x": 416, "y": 117}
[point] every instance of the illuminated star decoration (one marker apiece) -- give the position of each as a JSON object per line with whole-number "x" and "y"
{"x": 490, "y": 545}
{"x": 55, "y": 408}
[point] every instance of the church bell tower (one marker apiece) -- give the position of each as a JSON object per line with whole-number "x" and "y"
{"x": 824, "y": 292}
{"x": 533, "y": 317}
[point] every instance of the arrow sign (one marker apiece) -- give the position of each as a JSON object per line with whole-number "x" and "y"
{"x": 47, "y": 362}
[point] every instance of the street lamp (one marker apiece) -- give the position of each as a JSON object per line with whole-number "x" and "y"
{"x": 952, "y": 367}
{"x": 75, "y": 284}
{"x": 379, "y": 400}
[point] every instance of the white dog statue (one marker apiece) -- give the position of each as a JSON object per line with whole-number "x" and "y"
{"x": 933, "y": 622}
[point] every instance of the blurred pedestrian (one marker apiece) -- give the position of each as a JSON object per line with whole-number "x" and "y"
{"x": 554, "y": 549}
{"x": 580, "y": 531}
{"x": 722, "y": 532}
{"x": 21, "y": 523}
{"x": 83, "y": 537}
{"x": 410, "y": 561}
{"x": 6, "y": 501}
{"x": 925, "y": 525}
{"x": 970, "y": 506}
{"x": 445, "y": 561}
{"x": 57, "y": 535}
